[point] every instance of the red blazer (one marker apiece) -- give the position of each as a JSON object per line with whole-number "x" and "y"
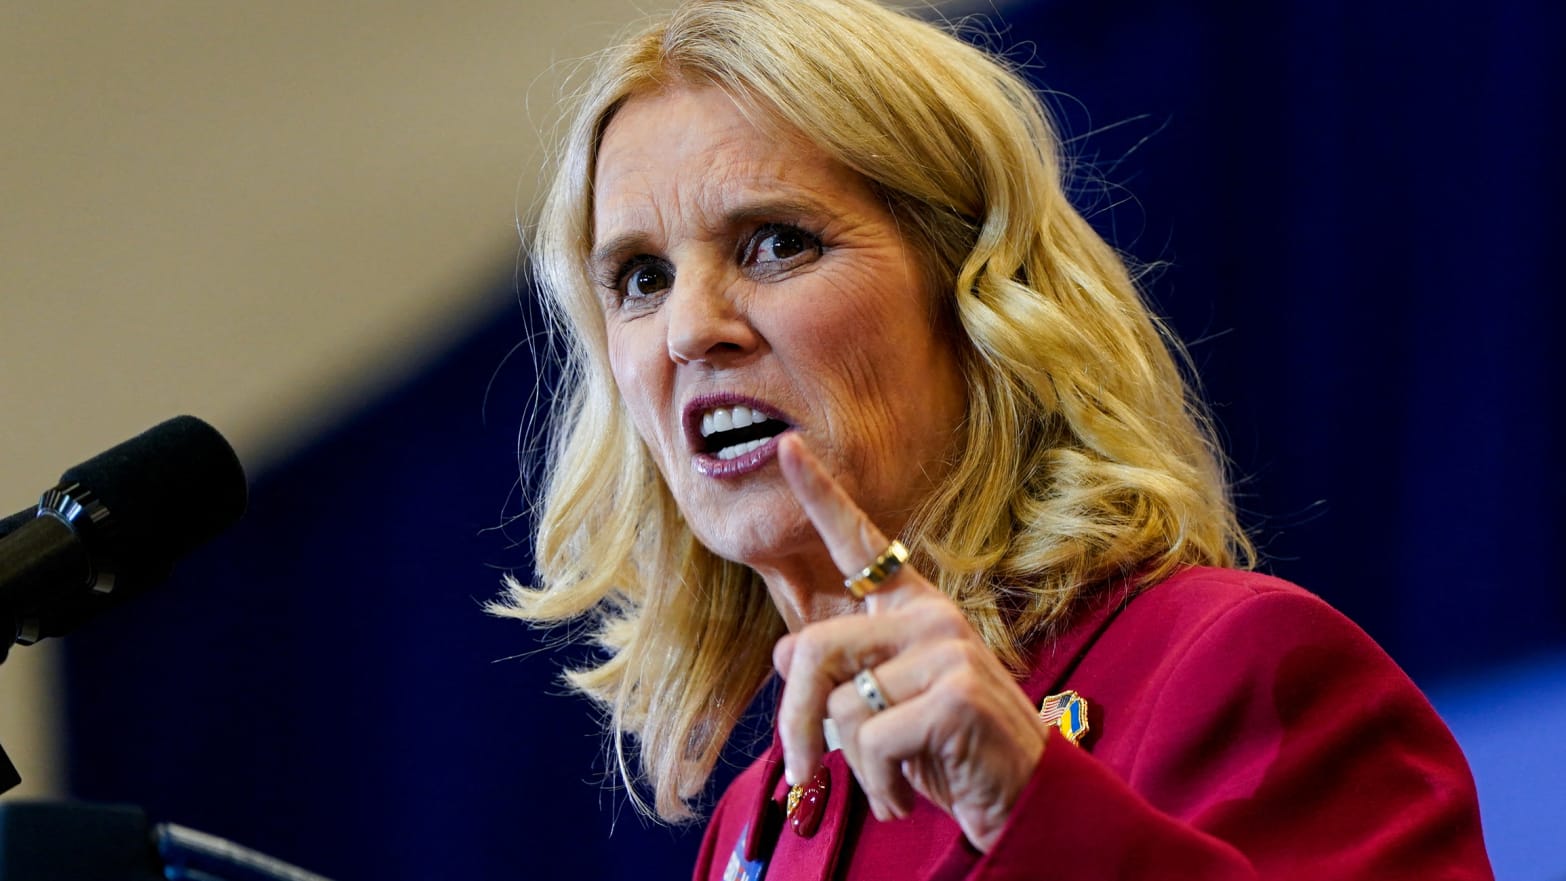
{"x": 1240, "y": 728}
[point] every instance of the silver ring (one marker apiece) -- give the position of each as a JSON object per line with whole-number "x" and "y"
{"x": 870, "y": 689}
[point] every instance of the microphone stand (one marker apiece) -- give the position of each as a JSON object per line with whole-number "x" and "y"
{"x": 8, "y": 776}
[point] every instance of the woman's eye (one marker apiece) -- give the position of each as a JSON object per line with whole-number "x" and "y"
{"x": 780, "y": 244}
{"x": 643, "y": 279}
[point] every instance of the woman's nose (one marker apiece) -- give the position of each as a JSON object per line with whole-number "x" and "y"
{"x": 706, "y": 322}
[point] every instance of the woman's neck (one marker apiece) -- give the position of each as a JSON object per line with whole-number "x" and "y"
{"x": 806, "y": 588}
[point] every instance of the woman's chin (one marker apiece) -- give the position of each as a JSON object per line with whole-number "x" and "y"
{"x": 759, "y": 536}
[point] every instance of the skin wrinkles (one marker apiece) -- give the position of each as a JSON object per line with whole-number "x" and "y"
{"x": 843, "y": 341}
{"x": 607, "y": 255}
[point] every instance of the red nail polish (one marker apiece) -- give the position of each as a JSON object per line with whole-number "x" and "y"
{"x": 807, "y": 804}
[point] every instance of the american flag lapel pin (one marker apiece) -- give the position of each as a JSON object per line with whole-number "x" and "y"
{"x": 1068, "y": 712}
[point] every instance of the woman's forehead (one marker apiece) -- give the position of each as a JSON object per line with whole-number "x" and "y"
{"x": 698, "y": 154}
{"x": 702, "y": 123}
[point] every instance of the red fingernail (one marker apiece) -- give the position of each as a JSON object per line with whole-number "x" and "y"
{"x": 807, "y": 804}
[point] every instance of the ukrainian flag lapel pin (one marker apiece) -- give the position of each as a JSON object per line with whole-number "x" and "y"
{"x": 1068, "y": 712}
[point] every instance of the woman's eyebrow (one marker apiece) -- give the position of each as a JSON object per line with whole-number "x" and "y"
{"x": 609, "y": 252}
{"x": 606, "y": 254}
{"x": 771, "y": 209}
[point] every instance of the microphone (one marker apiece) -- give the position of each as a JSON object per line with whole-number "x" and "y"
{"x": 113, "y": 527}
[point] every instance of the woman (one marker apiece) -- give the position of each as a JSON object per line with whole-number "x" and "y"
{"x": 822, "y": 288}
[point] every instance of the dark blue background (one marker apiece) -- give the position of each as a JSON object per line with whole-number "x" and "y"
{"x": 1354, "y": 207}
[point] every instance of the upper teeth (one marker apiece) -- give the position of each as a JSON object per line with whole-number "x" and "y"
{"x": 729, "y": 418}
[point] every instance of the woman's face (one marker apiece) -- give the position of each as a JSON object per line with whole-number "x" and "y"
{"x": 751, "y": 286}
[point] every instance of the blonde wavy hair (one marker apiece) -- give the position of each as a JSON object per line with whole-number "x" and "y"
{"x": 1087, "y": 461}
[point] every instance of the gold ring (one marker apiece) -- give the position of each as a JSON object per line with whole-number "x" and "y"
{"x": 870, "y": 578}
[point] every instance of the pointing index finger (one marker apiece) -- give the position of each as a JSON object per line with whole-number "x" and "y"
{"x": 850, "y": 536}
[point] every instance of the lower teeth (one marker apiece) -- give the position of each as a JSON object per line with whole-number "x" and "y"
{"x": 738, "y": 450}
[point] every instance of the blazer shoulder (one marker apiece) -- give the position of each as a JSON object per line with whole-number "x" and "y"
{"x": 1203, "y": 594}
{"x": 1230, "y": 619}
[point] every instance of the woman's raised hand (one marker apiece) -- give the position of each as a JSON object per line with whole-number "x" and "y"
{"x": 957, "y": 729}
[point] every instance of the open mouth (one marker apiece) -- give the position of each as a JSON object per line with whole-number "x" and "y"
{"x": 730, "y": 432}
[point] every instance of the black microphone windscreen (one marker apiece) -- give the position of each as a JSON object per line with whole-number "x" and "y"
{"x": 15, "y": 521}
{"x": 168, "y": 490}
